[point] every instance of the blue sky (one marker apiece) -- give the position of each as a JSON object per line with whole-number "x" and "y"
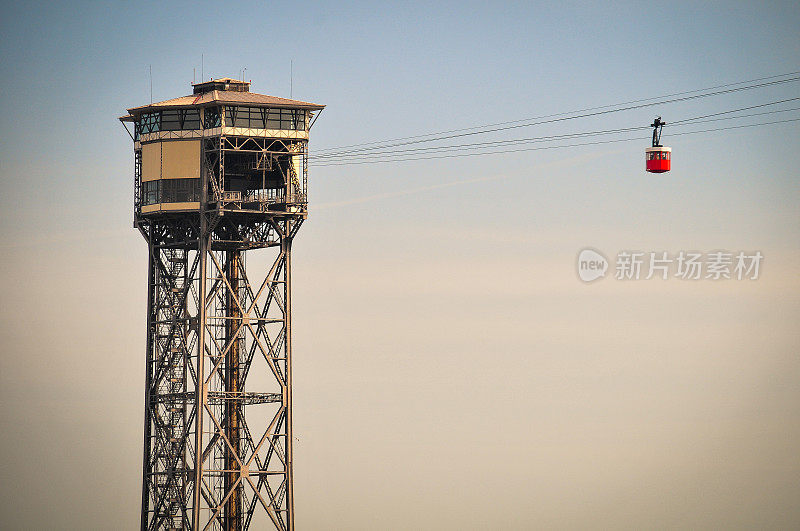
{"x": 437, "y": 311}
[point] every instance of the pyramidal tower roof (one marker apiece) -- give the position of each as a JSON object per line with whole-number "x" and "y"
{"x": 226, "y": 91}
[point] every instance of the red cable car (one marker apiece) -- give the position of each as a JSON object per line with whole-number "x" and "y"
{"x": 657, "y": 158}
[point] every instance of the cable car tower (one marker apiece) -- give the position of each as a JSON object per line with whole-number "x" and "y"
{"x": 657, "y": 157}
{"x": 219, "y": 173}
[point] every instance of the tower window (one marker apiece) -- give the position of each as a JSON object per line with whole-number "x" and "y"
{"x": 211, "y": 117}
{"x": 167, "y": 120}
{"x": 180, "y": 119}
{"x": 170, "y": 191}
{"x": 148, "y": 122}
{"x": 260, "y": 118}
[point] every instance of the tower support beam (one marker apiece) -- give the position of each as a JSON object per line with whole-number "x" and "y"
{"x": 233, "y": 509}
{"x": 212, "y": 323}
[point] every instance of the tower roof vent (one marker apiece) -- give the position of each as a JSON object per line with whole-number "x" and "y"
{"x": 225, "y": 83}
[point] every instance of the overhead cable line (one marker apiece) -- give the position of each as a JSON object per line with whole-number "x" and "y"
{"x": 553, "y": 147}
{"x": 494, "y": 143}
{"x": 562, "y": 113}
{"x": 551, "y": 138}
{"x": 516, "y": 141}
{"x": 566, "y": 118}
{"x": 674, "y": 122}
{"x": 502, "y": 126}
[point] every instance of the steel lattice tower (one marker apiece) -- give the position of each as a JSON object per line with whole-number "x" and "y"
{"x": 217, "y": 174}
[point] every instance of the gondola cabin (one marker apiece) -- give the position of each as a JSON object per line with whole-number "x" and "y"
{"x": 658, "y": 159}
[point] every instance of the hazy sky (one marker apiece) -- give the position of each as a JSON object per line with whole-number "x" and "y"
{"x": 451, "y": 370}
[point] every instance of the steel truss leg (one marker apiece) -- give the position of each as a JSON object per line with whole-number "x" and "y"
{"x": 233, "y": 335}
{"x": 218, "y": 452}
{"x": 167, "y": 455}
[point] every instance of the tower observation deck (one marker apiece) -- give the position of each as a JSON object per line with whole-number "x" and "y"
{"x": 218, "y": 173}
